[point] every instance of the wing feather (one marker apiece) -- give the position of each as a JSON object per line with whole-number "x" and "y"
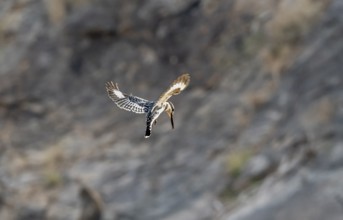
{"x": 176, "y": 87}
{"x": 126, "y": 102}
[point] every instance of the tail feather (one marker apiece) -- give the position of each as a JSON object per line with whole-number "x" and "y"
{"x": 149, "y": 123}
{"x": 147, "y": 132}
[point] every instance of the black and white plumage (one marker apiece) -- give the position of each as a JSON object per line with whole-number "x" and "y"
{"x": 152, "y": 109}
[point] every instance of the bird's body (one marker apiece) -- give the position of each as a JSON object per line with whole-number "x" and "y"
{"x": 152, "y": 109}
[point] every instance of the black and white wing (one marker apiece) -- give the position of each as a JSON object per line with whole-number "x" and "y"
{"x": 127, "y": 102}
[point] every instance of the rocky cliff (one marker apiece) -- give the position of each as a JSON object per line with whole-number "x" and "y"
{"x": 258, "y": 133}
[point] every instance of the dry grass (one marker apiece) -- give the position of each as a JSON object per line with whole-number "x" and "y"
{"x": 318, "y": 115}
{"x": 47, "y": 162}
{"x": 278, "y": 28}
{"x": 256, "y": 98}
{"x": 291, "y": 22}
{"x": 253, "y": 6}
{"x": 50, "y": 157}
{"x": 51, "y": 161}
{"x": 56, "y": 10}
{"x": 242, "y": 117}
{"x": 10, "y": 23}
{"x": 277, "y": 58}
{"x": 210, "y": 6}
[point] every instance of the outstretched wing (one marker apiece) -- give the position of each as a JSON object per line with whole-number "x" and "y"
{"x": 177, "y": 86}
{"x": 127, "y": 102}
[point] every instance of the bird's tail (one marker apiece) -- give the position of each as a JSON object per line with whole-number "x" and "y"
{"x": 149, "y": 123}
{"x": 148, "y": 131}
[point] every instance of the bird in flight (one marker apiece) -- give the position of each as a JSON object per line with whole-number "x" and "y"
{"x": 152, "y": 109}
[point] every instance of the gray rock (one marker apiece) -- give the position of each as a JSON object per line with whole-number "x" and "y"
{"x": 91, "y": 22}
{"x": 258, "y": 167}
{"x": 157, "y": 9}
{"x": 309, "y": 195}
{"x": 58, "y": 125}
{"x": 31, "y": 212}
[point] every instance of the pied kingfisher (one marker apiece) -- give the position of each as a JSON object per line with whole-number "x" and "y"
{"x": 152, "y": 109}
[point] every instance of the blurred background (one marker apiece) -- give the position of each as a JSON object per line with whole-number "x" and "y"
{"x": 258, "y": 133}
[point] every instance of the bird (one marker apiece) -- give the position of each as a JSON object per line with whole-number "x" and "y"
{"x": 152, "y": 109}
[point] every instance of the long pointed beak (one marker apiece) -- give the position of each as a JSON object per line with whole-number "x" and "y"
{"x": 172, "y": 120}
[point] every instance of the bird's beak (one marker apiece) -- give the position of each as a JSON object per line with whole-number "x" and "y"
{"x": 172, "y": 120}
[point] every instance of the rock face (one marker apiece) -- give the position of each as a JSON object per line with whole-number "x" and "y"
{"x": 257, "y": 133}
{"x": 309, "y": 186}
